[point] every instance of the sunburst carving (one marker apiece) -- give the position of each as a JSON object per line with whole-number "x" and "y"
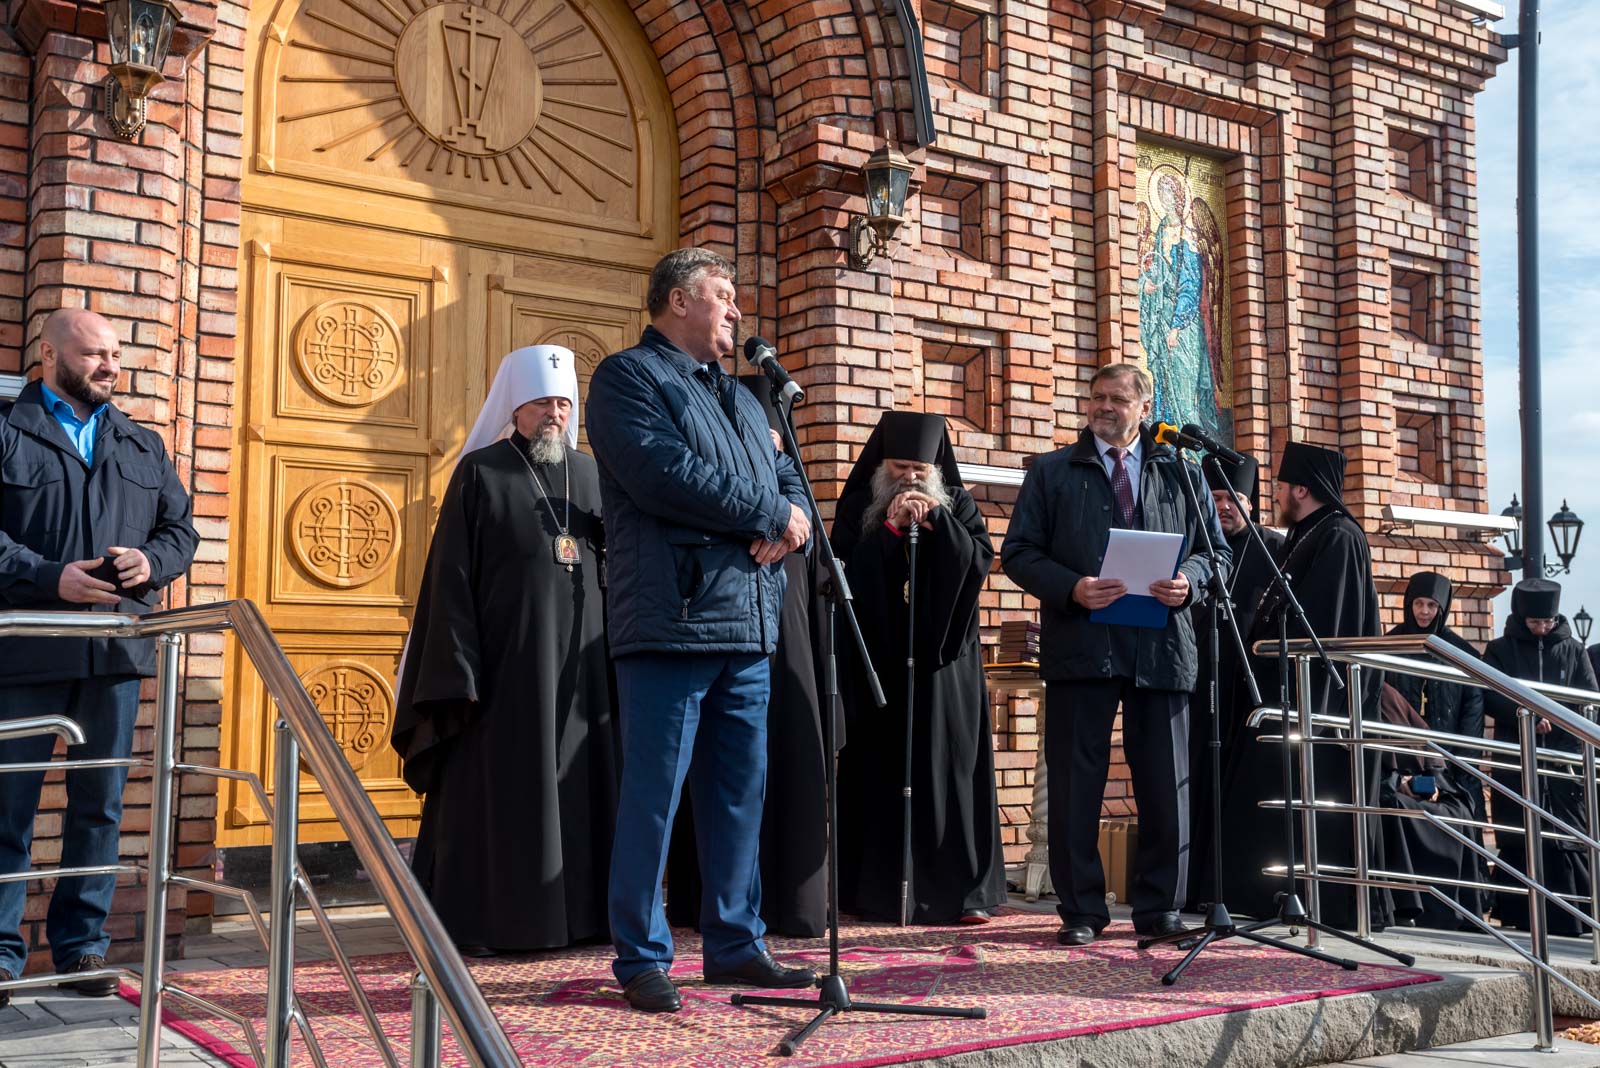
{"x": 517, "y": 94}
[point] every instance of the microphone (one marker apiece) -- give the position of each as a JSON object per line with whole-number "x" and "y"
{"x": 758, "y": 351}
{"x": 1192, "y": 437}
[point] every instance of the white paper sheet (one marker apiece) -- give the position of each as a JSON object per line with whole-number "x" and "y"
{"x": 1141, "y": 557}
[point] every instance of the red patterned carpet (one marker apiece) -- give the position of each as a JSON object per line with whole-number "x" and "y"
{"x": 566, "y": 1009}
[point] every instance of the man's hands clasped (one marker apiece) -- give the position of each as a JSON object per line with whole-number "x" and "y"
{"x": 78, "y": 586}
{"x": 912, "y": 507}
{"x": 794, "y": 535}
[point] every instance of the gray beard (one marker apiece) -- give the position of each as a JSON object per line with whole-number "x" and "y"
{"x": 886, "y": 489}
{"x": 549, "y": 451}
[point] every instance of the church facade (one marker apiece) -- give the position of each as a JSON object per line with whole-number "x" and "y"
{"x": 341, "y": 213}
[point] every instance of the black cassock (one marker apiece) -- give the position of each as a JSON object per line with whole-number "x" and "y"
{"x": 1330, "y": 568}
{"x": 955, "y": 840}
{"x": 1557, "y": 658}
{"x": 1247, "y": 579}
{"x": 794, "y": 836}
{"x": 504, "y": 711}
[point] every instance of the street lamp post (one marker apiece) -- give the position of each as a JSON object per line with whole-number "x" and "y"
{"x": 1528, "y": 282}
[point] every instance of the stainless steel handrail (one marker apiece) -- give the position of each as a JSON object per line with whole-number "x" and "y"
{"x": 1533, "y": 702}
{"x": 481, "y": 1037}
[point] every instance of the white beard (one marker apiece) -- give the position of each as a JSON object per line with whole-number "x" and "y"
{"x": 549, "y": 451}
{"x": 886, "y": 488}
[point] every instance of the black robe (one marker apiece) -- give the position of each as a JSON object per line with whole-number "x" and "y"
{"x": 1247, "y": 579}
{"x": 504, "y": 711}
{"x": 1414, "y": 845}
{"x": 1330, "y": 569}
{"x": 1557, "y": 658}
{"x": 956, "y": 850}
{"x": 794, "y": 834}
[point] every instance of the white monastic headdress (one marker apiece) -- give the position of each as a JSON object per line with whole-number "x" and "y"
{"x": 526, "y": 375}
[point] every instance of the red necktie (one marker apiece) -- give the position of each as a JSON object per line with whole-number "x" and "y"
{"x": 1122, "y": 487}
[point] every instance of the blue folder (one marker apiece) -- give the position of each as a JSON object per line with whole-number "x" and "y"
{"x": 1139, "y": 609}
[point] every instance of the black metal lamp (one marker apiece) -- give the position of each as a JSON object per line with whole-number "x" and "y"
{"x": 887, "y": 174}
{"x": 1565, "y": 530}
{"x": 140, "y": 35}
{"x": 1514, "y": 535}
{"x": 1584, "y": 622}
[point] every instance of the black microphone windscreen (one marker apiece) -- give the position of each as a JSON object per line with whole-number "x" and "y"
{"x": 753, "y": 347}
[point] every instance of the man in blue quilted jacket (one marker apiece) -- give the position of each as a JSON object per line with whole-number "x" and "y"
{"x": 700, "y": 511}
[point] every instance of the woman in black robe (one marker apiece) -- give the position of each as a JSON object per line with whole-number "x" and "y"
{"x": 1413, "y": 844}
{"x": 1538, "y": 646}
{"x": 957, "y": 874}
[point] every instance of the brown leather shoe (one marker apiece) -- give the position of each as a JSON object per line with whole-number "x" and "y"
{"x": 102, "y": 987}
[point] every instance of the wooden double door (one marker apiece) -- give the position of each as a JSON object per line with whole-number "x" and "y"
{"x": 428, "y": 186}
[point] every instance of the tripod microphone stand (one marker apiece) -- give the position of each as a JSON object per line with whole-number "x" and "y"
{"x": 1219, "y": 924}
{"x": 833, "y": 998}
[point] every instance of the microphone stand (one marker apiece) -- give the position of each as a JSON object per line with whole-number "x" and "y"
{"x": 833, "y": 998}
{"x": 1219, "y": 925}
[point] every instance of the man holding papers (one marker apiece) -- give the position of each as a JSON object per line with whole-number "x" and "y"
{"x": 1107, "y": 642}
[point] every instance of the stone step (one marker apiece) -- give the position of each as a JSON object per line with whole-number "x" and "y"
{"x": 1507, "y": 1051}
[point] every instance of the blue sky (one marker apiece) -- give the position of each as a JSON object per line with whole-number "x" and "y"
{"x": 1569, "y": 234}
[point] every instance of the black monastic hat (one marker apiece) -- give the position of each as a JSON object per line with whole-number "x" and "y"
{"x": 1319, "y": 470}
{"x": 1241, "y": 478}
{"x": 1536, "y": 598}
{"x": 917, "y": 436}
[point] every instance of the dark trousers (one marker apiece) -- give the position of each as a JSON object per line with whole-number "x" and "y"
{"x": 105, "y": 708}
{"x": 1077, "y": 755}
{"x": 700, "y": 718}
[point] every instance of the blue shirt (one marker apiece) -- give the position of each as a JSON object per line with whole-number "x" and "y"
{"x": 81, "y": 432}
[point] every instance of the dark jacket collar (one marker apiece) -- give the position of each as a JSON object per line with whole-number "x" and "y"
{"x": 1085, "y": 451}
{"x": 661, "y": 344}
{"x": 29, "y": 414}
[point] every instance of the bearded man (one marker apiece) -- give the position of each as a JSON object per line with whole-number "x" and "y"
{"x": 907, "y": 476}
{"x": 504, "y": 716}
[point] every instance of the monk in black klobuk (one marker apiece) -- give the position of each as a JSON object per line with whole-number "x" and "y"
{"x": 1235, "y": 489}
{"x": 907, "y": 474}
{"x": 1538, "y": 646}
{"x": 1415, "y": 845}
{"x": 504, "y": 710}
{"x": 1330, "y": 569}
{"x": 794, "y": 838}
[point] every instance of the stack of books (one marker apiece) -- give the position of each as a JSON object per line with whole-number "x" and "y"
{"x": 1019, "y": 642}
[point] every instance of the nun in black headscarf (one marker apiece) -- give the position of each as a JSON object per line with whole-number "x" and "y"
{"x": 794, "y": 837}
{"x": 907, "y": 475}
{"x": 1538, "y": 645}
{"x": 1423, "y": 783}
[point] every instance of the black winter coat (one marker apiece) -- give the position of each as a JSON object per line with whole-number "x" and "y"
{"x": 1058, "y": 534}
{"x": 56, "y": 509}
{"x": 687, "y": 480}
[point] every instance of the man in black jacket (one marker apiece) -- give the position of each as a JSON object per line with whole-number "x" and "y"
{"x": 700, "y": 512}
{"x": 1115, "y": 476}
{"x": 92, "y": 516}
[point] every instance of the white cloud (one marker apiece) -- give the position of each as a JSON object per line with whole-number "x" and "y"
{"x": 1569, "y": 291}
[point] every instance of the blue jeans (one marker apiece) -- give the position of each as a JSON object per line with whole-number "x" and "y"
{"x": 105, "y": 708}
{"x": 700, "y": 717}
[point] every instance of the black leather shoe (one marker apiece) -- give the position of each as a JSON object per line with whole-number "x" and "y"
{"x": 5, "y": 995}
{"x": 476, "y": 951}
{"x": 91, "y": 988}
{"x": 975, "y": 916}
{"x": 652, "y": 991}
{"x": 762, "y": 970}
{"x": 1166, "y": 924}
{"x": 1076, "y": 935}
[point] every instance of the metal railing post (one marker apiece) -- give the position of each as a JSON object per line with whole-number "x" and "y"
{"x": 1591, "y": 815}
{"x": 280, "y": 949}
{"x": 425, "y": 1024}
{"x": 158, "y": 865}
{"x": 1538, "y": 933}
{"x": 1358, "y": 783}
{"x": 1308, "y": 787}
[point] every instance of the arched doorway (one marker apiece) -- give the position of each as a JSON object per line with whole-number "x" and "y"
{"x": 426, "y": 186}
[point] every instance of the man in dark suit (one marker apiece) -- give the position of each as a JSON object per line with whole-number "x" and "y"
{"x": 1116, "y": 475}
{"x": 92, "y": 517}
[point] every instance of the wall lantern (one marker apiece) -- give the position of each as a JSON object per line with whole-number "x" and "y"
{"x": 1565, "y": 530}
{"x": 887, "y": 174}
{"x": 140, "y": 34}
{"x": 1584, "y": 622}
{"x": 1514, "y": 535}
